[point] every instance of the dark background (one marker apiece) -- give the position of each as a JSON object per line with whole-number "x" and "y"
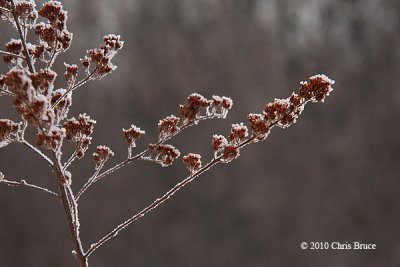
{"x": 333, "y": 176}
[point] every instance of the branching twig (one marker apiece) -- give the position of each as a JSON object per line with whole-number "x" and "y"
{"x": 21, "y": 36}
{"x": 4, "y": 9}
{"x": 6, "y": 92}
{"x": 11, "y": 54}
{"x": 140, "y": 155}
{"x": 160, "y": 200}
{"x": 71, "y": 210}
{"x": 88, "y": 183}
{"x": 37, "y": 151}
{"x": 80, "y": 83}
{"x": 26, "y": 184}
{"x": 69, "y": 161}
{"x": 53, "y": 55}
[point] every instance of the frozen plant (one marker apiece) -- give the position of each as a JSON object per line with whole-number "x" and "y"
{"x": 30, "y": 82}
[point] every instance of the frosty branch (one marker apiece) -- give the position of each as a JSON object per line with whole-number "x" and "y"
{"x": 30, "y": 81}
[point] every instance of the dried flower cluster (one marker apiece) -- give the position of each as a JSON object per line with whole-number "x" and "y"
{"x": 192, "y": 161}
{"x": 51, "y": 139}
{"x": 79, "y": 132}
{"x": 190, "y": 112}
{"x": 102, "y": 154}
{"x": 101, "y": 57}
{"x": 8, "y": 131}
{"x": 53, "y": 35}
{"x": 282, "y": 113}
{"x": 131, "y": 135}
{"x": 163, "y": 154}
{"x": 30, "y": 82}
{"x": 168, "y": 127}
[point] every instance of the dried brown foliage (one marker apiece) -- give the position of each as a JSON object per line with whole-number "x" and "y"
{"x": 30, "y": 81}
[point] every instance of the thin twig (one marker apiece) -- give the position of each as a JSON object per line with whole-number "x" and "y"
{"x": 11, "y": 54}
{"x": 21, "y": 36}
{"x": 6, "y": 92}
{"x": 26, "y": 184}
{"x": 69, "y": 161}
{"x": 4, "y": 9}
{"x": 80, "y": 83}
{"x": 89, "y": 182}
{"x": 37, "y": 151}
{"x": 160, "y": 200}
{"x": 53, "y": 55}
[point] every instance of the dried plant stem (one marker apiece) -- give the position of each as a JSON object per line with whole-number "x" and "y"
{"x": 160, "y": 200}
{"x": 37, "y": 151}
{"x": 21, "y": 36}
{"x": 88, "y": 183}
{"x": 69, "y": 161}
{"x": 26, "y": 184}
{"x": 4, "y": 9}
{"x": 71, "y": 211}
{"x": 5, "y": 92}
{"x": 53, "y": 56}
{"x": 80, "y": 83}
{"x": 11, "y": 54}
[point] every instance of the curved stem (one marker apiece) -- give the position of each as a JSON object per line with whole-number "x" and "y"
{"x": 149, "y": 208}
{"x": 161, "y": 200}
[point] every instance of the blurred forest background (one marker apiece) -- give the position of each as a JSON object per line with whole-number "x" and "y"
{"x": 333, "y": 176}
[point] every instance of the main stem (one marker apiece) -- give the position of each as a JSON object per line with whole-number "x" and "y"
{"x": 71, "y": 211}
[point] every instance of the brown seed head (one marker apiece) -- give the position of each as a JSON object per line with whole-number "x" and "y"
{"x": 258, "y": 126}
{"x": 230, "y": 153}
{"x": 168, "y": 126}
{"x": 192, "y": 161}
{"x": 102, "y": 154}
{"x": 8, "y": 130}
{"x": 132, "y": 134}
{"x": 238, "y": 133}
{"x": 218, "y": 142}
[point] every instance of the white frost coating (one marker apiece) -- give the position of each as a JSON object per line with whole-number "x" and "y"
{"x": 4, "y": 144}
{"x": 324, "y": 78}
{"x": 285, "y": 101}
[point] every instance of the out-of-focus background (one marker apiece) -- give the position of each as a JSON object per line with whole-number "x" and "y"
{"x": 333, "y": 176}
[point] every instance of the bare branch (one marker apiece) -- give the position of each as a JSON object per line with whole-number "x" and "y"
{"x": 89, "y": 182}
{"x": 6, "y": 92}
{"x": 4, "y": 9}
{"x": 53, "y": 55}
{"x": 71, "y": 210}
{"x": 80, "y": 83}
{"x": 26, "y": 184}
{"x": 11, "y": 54}
{"x": 160, "y": 200}
{"x": 37, "y": 151}
{"x": 69, "y": 161}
